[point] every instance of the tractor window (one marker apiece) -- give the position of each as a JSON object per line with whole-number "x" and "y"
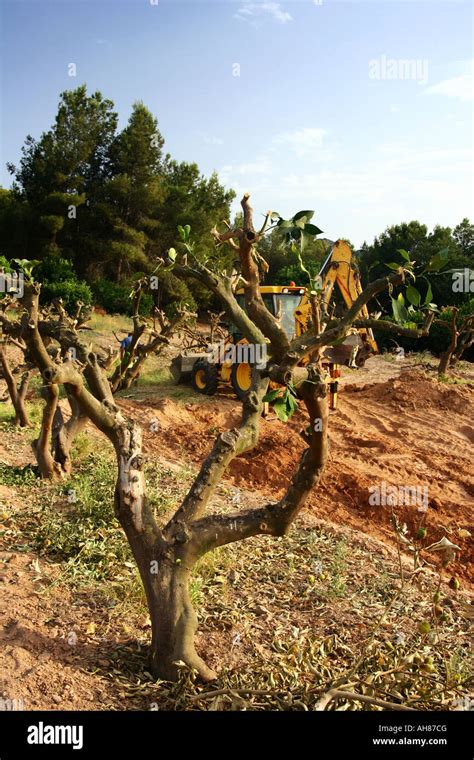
{"x": 268, "y": 301}
{"x": 285, "y": 305}
{"x": 282, "y": 305}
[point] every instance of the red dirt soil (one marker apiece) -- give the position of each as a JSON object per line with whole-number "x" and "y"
{"x": 408, "y": 431}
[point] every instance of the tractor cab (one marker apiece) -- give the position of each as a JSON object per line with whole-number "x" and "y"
{"x": 282, "y": 301}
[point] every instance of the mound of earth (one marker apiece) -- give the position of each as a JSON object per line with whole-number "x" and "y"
{"x": 408, "y": 431}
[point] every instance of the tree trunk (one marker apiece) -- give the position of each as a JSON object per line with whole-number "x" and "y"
{"x": 445, "y": 357}
{"x": 174, "y": 624}
{"x": 130, "y": 376}
{"x": 444, "y": 363}
{"x": 165, "y": 566}
{"x": 64, "y": 433}
{"x": 49, "y": 469}
{"x": 22, "y": 415}
{"x": 17, "y": 395}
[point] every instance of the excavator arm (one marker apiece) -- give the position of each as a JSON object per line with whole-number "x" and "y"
{"x": 338, "y": 269}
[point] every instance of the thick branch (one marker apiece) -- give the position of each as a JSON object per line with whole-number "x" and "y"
{"x": 64, "y": 433}
{"x": 284, "y": 375}
{"x": 222, "y": 288}
{"x": 29, "y": 327}
{"x": 364, "y": 698}
{"x": 254, "y": 303}
{"x": 306, "y": 343}
{"x": 262, "y": 318}
{"x": 17, "y": 395}
{"x": 48, "y": 467}
{"x": 228, "y": 445}
{"x": 272, "y": 519}
{"x": 134, "y": 513}
{"x": 391, "y": 327}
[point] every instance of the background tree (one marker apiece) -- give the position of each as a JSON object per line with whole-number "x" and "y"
{"x": 283, "y": 267}
{"x": 463, "y": 234}
{"x": 109, "y": 202}
{"x": 193, "y": 199}
{"x": 422, "y": 246}
{"x": 62, "y": 170}
{"x": 106, "y": 201}
{"x": 129, "y": 201}
{"x": 15, "y": 224}
{"x": 435, "y": 284}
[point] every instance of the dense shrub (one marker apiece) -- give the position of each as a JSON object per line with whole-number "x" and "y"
{"x": 174, "y": 291}
{"x": 294, "y": 274}
{"x": 55, "y": 269}
{"x": 5, "y": 267}
{"x": 438, "y": 339}
{"x": 59, "y": 280}
{"x": 71, "y": 291}
{"x": 115, "y": 298}
{"x": 5, "y": 264}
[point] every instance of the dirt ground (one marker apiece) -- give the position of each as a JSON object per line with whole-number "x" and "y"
{"x": 394, "y": 425}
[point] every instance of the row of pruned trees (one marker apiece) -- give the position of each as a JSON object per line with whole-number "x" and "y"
{"x": 46, "y": 335}
{"x": 166, "y": 553}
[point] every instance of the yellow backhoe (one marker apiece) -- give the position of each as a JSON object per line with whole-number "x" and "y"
{"x": 233, "y": 361}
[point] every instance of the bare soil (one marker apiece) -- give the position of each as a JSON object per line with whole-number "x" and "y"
{"x": 407, "y": 430}
{"x": 60, "y": 649}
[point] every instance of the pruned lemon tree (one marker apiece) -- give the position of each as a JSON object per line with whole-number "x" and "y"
{"x": 166, "y": 553}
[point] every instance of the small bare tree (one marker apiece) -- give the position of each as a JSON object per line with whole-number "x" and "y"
{"x": 165, "y": 554}
{"x": 461, "y": 337}
{"x": 193, "y": 338}
{"x": 17, "y": 390}
{"x": 51, "y": 334}
{"x": 149, "y": 336}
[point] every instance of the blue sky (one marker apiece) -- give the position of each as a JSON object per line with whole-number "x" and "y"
{"x": 362, "y": 111}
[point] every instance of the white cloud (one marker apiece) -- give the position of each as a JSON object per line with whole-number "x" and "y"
{"x": 251, "y": 10}
{"x": 400, "y": 181}
{"x": 209, "y": 140}
{"x": 460, "y": 87}
{"x": 259, "y": 174}
{"x": 302, "y": 141}
{"x": 245, "y": 169}
{"x": 394, "y": 108}
{"x": 395, "y": 169}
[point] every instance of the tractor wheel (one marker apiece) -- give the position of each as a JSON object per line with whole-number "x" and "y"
{"x": 241, "y": 377}
{"x": 205, "y": 377}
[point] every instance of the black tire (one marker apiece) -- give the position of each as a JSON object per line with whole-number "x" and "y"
{"x": 205, "y": 377}
{"x": 239, "y": 391}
